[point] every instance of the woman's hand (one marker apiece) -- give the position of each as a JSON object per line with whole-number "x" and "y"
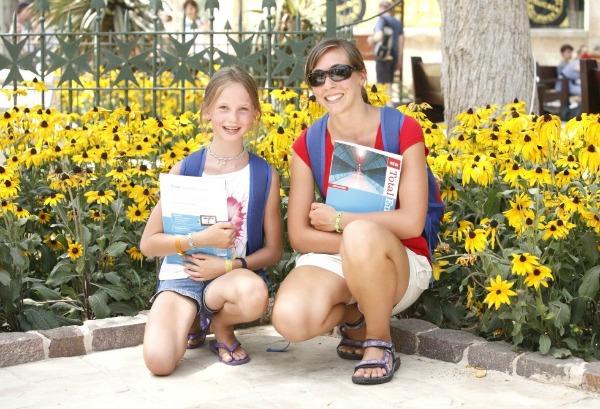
{"x": 322, "y": 217}
{"x": 203, "y": 267}
{"x": 220, "y": 235}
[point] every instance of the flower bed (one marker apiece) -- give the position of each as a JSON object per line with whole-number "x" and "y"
{"x": 518, "y": 257}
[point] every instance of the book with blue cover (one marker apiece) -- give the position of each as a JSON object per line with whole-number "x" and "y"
{"x": 363, "y": 179}
{"x": 190, "y": 204}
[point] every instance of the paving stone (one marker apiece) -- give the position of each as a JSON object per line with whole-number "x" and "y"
{"x": 119, "y": 332}
{"x": 497, "y": 356}
{"x": 446, "y": 344}
{"x": 591, "y": 377}
{"x": 405, "y": 331}
{"x": 20, "y": 348}
{"x": 65, "y": 341}
{"x": 546, "y": 368}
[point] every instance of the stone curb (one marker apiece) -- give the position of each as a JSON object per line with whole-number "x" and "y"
{"x": 410, "y": 337}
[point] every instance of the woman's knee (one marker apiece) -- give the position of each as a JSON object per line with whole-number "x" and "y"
{"x": 288, "y": 319}
{"x": 253, "y": 293}
{"x": 361, "y": 240}
{"x": 158, "y": 361}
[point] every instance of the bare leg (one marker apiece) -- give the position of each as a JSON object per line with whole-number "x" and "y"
{"x": 377, "y": 273}
{"x": 310, "y": 302}
{"x": 166, "y": 331}
{"x": 240, "y": 296}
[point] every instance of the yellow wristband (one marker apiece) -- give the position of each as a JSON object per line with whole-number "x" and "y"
{"x": 338, "y": 220}
{"x": 178, "y": 248}
{"x": 228, "y": 265}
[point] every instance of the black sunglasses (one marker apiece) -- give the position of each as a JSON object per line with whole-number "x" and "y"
{"x": 337, "y": 74}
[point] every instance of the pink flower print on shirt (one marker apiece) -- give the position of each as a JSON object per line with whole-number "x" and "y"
{"x": 236, "y": 215}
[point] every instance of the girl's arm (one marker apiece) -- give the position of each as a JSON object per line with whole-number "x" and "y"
{"x": 155, "y": 243}
{"x": 273, "y": 246}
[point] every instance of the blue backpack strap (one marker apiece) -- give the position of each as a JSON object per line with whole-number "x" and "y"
{"x": 193, "y": 164}
{"x": 260, "y": 185}
{"x": 315, "y": 145}
{"x": 391, "y": 124}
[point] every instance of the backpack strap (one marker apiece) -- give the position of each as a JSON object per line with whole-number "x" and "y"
{"x": 315, "y": 145}
{"x": 391, "y": 124}
{"x": 193, "y": 164}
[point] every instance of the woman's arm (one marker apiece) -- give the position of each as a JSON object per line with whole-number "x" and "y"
{"x": 303, "y": 236}
{"x": 405, "y": 222}
{"x": 273, "y": 246}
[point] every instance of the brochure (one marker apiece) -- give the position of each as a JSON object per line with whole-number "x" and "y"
{"x": 190, "y": 204}
{"x": 363, "y": 179}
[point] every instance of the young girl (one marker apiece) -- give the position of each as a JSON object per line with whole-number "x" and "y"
{"x": 208, "y": 289}
{"x": 355, "y": 269}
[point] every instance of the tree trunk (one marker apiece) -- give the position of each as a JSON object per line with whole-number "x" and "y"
{"x": 486, "y": 55}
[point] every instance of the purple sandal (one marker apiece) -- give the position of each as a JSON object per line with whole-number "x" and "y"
{"x": 196, "y": 340}
{"x": 214, "y": 346}
{"x": 349, "y": 342}
{"x": 388, "y": 350}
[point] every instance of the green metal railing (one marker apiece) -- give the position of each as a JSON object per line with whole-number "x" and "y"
{"x": 83, "y": 69}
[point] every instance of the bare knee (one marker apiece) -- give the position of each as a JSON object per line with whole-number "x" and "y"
{"x": 157, "y": 361}
{"x": 360, "y": 241}
{"x": 253, "y": 296}
{"x": 288, "y": 320}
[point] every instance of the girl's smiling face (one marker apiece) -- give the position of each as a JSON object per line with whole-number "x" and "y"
{"x": 332, "y": 95}
{"x": 232, "y": 113}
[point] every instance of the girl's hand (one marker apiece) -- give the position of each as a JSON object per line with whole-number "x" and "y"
{"x": 203, "y": 267}
{"x": 220, "y": 235}
{"x": 322, "y": 217}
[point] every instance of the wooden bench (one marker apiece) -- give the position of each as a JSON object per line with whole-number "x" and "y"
{"x": 590, "y": 86}
{"x": 428, "y": 88}
{"x": 551, "y": 101}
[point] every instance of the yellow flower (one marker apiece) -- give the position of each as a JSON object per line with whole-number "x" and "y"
{"x": 378, "y": 96}
{"x": 144, "y": 196}
{"x": 539, "y": 275}
{"x": 54, "y": 199}
{"x": 519, "y": 210}
{"x": 43, "y": 217}
{"x": 438, "y": 266}
{"x": 468, "y": 119}
{"x": 96, "y": 215}
{"x": 75, "y": 250}
{"x": 135, "y": 253}
{"x": 590, "y": 158}
{"x": 592, "y": 220}
{"x": 499, "y": 292}
{"x": 475, "y": 241}
{"x": 284, "y": 94}
{"x": 100, "y": 196}
{"x": 449, "y": 194}
{"x": 524, "y": 263}
{"x": 21, "y": 212}
{"x": 538, "y": 175}
{"x": 463, "y": 228}
{"x": 137, "y": 213}
{"x": 53, "y": 243}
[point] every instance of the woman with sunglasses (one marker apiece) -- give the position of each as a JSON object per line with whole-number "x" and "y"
{"x": 353, "y": 270}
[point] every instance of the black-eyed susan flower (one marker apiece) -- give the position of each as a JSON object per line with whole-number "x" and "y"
{"x": 556, "y": 229}
{"x": 475, "y": 240}
{"x": 523, "y": 263}
{"x": 53, "y": 242}
{"x": 439, "y": 266}
{"x": 491, "y": 230}
{"x": 592, "y": 220}
{"x": 462, "y": 229}
{"x": 540, "y": 176}
{"x": 449, "y": 193}
{"x": 75, "y": 250}
{"x": 43, "y": 217}
{"x": 54, "y": 199}
{"x": 118, "y": 174}
{"x": 10, "y": 187}
{"x": 538, "y": 276}
{"x": 513, "y": 174}
{"x": 135, "y": 253}
{"x": 520, "y": 209}
{"x": 21, "y": 212}
{"x": 377, "y": 95}
{"x": 283, "y": 94}
{"x": 144, "y": 196}
{"x": 589, "y": 157}
{"x": 100, "y": 196}
{"x": 97, "y": 215}
{"x": 468, "y": 119}
{"x": 499, "y": 292}
{"x": 137, "y": 213}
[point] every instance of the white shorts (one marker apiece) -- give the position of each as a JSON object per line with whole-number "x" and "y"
{"x": 420, "y": 274}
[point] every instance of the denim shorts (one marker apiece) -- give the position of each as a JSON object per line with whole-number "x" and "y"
{"x": 188, "y": 288}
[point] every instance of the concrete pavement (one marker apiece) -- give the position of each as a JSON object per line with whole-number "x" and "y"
{"x": 307, "y": 375}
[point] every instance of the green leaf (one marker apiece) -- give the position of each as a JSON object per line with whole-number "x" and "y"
{"x": 62, "y": 273}
{"x": 45, "y": 292}
{"x": 98, "y": 304}
{"x": 4, "y": 278}
{"x": 119, "y": 293}
{"x": 545, "y": 344}
{"x": 113, "y": 278}
{"x": 40, "y": 318}
{"x": 560, "y": 353}
{"x": 591, "y": 283}
{"x": 589, "y": 248}
{"x": 571, "y": 343}
{"x": 492, "y": 204}
{"x": 116, "y": 249}
{"x": 562, "y": 312}
{"x": 432, "y": 307}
